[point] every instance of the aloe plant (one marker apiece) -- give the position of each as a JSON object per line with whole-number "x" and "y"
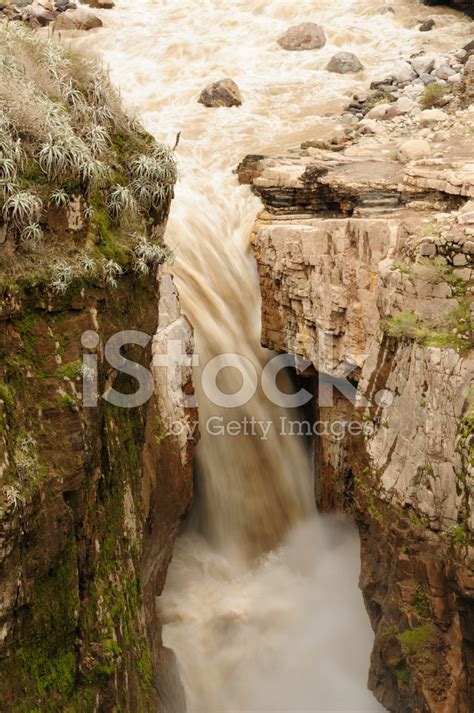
{"x": 120, "y": 201}
{"x": 53, "y": 158}
{"x": 97, "y": 139}
{"x": 13, "y": 497}
{"x": 111, "y": 271}
{"x": 32, "y": 234}
{"x": 8, "y": 170}
{"x": 22, "y": 209}
{"x": 59, "y": 198}
{"x": 61, "y": 277}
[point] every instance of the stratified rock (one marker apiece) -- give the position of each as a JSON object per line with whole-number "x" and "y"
{"x": 432, "y": 116}
{"x": 344, "y": 63}
{"x": 427, "y": 25}
{"x": 307, "y": 36}
{"x": 77, "y": 20}
{"x": 414, "y": 149}
{"x": 338, "y": 250}
{"x": 224, "y": 92}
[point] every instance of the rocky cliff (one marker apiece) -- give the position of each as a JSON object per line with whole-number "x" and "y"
{"x": 365, "y": 255}
{"x": 462, "y": 5}
{"x": 91, "y": 496}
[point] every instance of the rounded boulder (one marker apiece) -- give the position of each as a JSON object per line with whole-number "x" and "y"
{"x": 224, "y": 92}
{"x": 307, "y": 36}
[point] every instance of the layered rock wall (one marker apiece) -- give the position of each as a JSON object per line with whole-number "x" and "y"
{"x": 365, "y": 268}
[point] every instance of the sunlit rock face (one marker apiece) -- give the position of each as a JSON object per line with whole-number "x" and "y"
{"x": 366, "y": 270}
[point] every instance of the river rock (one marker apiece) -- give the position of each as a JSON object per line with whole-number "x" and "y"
{"x": 404, "y": 105}
{"x": 403, "y": 72}
{"x": 224, "y": 92}
{"x": 41, "y": 15}
{"x": 427, "y": 25}
{"x": 307, "y": 36}
{"x": 378, "y": 111}
{"x": 344, "y": 63}
{"x": 413, "y": 150}
{"x": 432, "y": 116}
{"x": 77, "y": 20}
{"x": 424, "y": 64}
{"x": 444, "y": 72}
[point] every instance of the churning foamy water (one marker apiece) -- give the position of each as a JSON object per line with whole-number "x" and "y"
{"x": 261, "y": 603}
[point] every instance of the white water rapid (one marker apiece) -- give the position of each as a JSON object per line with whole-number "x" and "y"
{"x": 287, "y": 631}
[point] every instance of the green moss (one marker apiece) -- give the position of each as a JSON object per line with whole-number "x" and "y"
{"x": 374, "y": 511}
{"x": 398, "y": 664}
{"x": 416, "y": 641}
{"x": 67, "y": 401}
{"x": 161, "y": 433}
{"x": 422, "y": 606}
{"x": 72, "y": 370}
{"x": 379, "y": 97}
{"x": 455, "y": 332}
{"x": 42, "y": 670}
{"x": 7, "y": 394}
{"x": 400, "y": 266}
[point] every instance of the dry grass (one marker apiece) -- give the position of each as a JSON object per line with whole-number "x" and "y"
{"x": 63, "y": 132}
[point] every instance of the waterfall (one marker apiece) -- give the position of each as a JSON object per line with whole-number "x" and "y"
{"x": 261, "y": 604}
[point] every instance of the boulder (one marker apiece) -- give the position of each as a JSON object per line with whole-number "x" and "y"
{"x": 424, "y": 64}
{"x": 307, "y": 36}
{"x": 432, "y": 116}
{"x": 403, "y": 72}
{"x": 41, "y": 15}
{"x": 404, "y": 105}
{"x": 224, "y": 92}
{"x": 378, "y": 111}
{"x": 77, "y": 20}
{"x": 413, "y": 150}
{"x": 427, "y": 25}
{"x": 444, "y": 72}
{"x": 344, "y": 63}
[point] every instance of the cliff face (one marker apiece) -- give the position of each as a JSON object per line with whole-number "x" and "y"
{"x": 365, "y": 268}
{"x": 91, "y": 496}
{"x": 99, "y": 496}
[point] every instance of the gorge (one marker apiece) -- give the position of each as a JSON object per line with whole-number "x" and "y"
{"x": 285, "y": 211}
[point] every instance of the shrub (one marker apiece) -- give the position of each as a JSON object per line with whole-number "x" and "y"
{"x": 433, "y": 95}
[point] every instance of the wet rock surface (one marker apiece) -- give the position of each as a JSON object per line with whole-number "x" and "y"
{"x": 344, "y": 63}
{"x": 224, "y": 92}
{"x": 307, "y": 36}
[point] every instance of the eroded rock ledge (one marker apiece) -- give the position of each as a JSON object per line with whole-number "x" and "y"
{"x": 366, "y": 271}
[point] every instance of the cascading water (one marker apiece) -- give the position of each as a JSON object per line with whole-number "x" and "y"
{"x": 261, "y": 603}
